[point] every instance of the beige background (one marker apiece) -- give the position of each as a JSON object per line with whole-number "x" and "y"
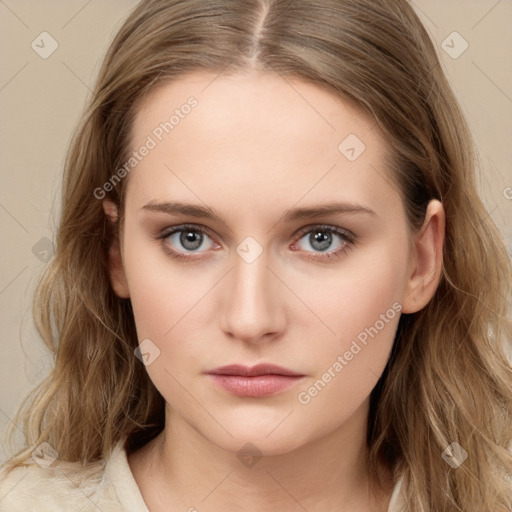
{"x": 41, "y": 99}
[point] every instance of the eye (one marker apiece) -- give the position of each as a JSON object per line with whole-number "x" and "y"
{"x": 180, "y": 240}
{"x": 327, "y": 242}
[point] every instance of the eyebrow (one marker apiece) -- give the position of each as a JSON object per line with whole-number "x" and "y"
{"x": 290, "y": 215}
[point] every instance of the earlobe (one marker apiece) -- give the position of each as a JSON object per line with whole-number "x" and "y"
{"x": 111, "y": 210}
{"x": 116, "y": 269}
{"x": 426, "y": 260}
{"x": 115, "y": 262}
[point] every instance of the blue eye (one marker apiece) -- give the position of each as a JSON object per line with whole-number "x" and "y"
{"x": 322, "y": 238}
{"x": 186, "y": 239}
{"x": 325, "y": 242}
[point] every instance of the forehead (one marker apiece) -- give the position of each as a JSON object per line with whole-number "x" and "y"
{"x": 255, "y": 139}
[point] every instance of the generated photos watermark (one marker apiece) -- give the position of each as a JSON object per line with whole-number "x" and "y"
{"x": 152, "y": 140}
{"x": 304, "y": 397}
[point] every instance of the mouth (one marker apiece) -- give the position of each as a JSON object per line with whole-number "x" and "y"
{"x": 256, "y": 381}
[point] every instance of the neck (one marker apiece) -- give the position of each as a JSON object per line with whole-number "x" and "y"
{"x": 329, "y": 473}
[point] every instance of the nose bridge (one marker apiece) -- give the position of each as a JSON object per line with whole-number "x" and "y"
{"x": 251, "y": 302}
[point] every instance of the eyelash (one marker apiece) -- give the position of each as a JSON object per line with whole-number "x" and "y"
{"x": 346, "y": 237}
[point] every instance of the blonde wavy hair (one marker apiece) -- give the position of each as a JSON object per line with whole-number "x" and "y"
{"x": 448, "y": 378}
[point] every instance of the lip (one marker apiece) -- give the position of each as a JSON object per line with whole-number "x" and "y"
{"x": 256, "y": 381}
{"x": 254, "y": 371}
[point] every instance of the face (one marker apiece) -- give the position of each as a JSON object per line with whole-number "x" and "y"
{"x": 267, "y": 277}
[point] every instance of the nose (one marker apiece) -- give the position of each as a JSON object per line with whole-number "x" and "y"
{"x": 252, "y": 307}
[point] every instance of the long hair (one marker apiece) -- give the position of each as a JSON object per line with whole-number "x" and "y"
{"x": 448, "y": 379}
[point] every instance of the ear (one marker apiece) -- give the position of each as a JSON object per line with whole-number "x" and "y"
{"x": 426, "y": 262}
{"x": 115, "y": 262}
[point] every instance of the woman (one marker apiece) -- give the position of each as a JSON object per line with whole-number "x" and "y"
{"x": 275, "y": 285}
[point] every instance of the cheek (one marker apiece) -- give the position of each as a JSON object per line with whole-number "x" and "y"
{"x": 373, "y": 292}
{"x": 160, "y": 294}
{"x": 163, "y": 300}
{"x": 362, "y": 312}
{"x": 360, "y": 291}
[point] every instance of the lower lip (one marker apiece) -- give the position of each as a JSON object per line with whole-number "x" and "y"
{"x": 256, "y": 386}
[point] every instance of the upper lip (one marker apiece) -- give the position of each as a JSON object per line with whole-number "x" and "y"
{"x": 259, "y": 369}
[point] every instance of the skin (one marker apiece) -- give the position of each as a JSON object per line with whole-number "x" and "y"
{"x": 252, "y": 148}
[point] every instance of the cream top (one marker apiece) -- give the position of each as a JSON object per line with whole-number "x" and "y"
{"x": 106, "y": 486}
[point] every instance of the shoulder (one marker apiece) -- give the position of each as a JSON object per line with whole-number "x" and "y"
{"x": 62, "y": 486}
